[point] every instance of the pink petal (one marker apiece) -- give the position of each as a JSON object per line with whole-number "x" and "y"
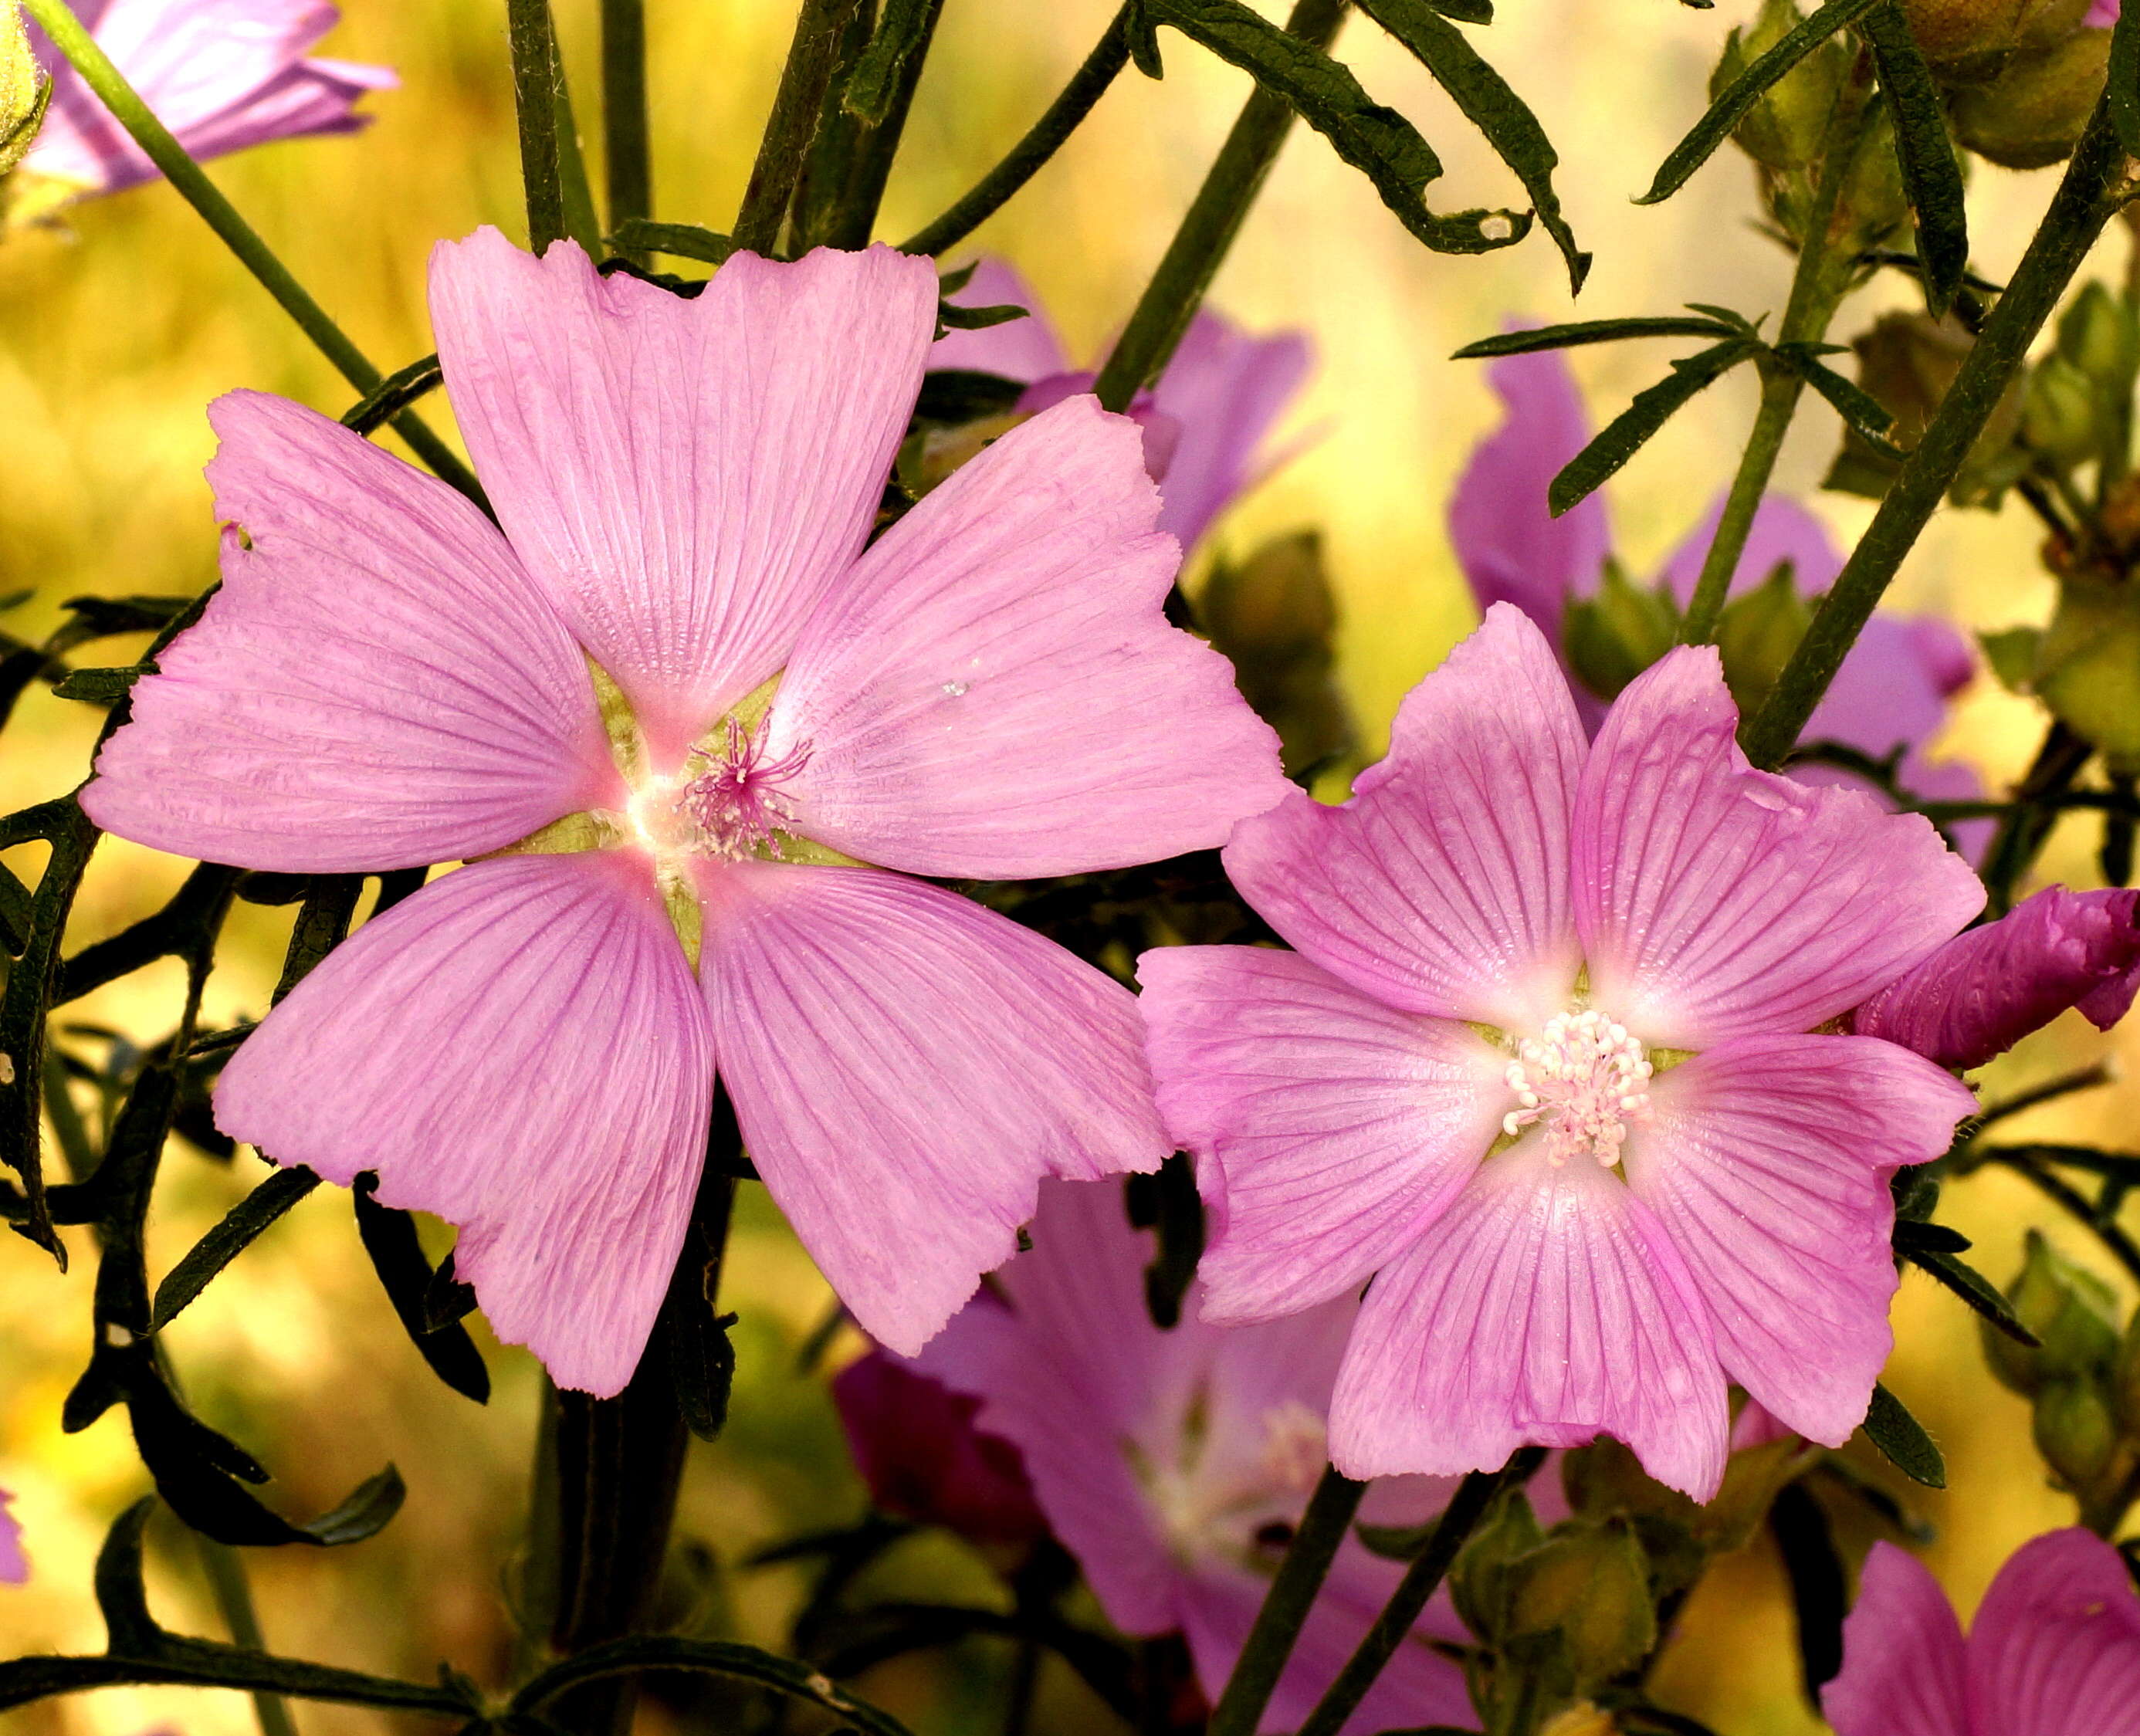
{"x": 14, "y": 1564}
{"x": 519, "y": 1049}
{"x": 1024, "y": 349}
{"x": 1545, "y": 1307}
{"x": 1892, "y": 688}
{"x": 1329, "y": 1130}
{"x": 1226, "y": 390}
{"x": 377, "y": 684}
{"x": 689, "y": 478}
{"x": 905, "y": 1066}
{"x": 2056, "y": 1649}
{"x": 997, "y": 692}
{"x": 1781, "y": 531}
{"x": 313, "y": 97}
{"x": 1766, "y": 1160}
{"x": 1717, "y": 901}
{"x": 1902, "y": 1656}
{"x": 1441, "y": 887}
{"x": 1511, "y": 548}
{"x": 1983, "y": 991}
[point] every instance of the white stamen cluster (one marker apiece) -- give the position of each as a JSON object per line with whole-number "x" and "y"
{"x": 1586, "y": 1077}
{"x": 1220, "y": 1505}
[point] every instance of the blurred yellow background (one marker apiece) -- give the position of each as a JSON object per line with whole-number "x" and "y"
{"x": 113, "y": 337}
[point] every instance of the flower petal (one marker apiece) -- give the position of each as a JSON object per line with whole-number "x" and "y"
{"x": 689, "y": 478}
{"x": 1766, "y": 1160}
{"x": 905, "y": 1066}
{"x": 2055, "y": 1649}
{"x": 1781, "y": 531}
{"x": 14, "y": 1563}
{"x": 1902, "y": 1656}
{"x": 1511, "y": 548}
{"x": 1983, "y": 991}
{"x": 1226, "y": 389}
{"x": 1024, "y": 349}
{"x": 1441, "y": 887}
{"x": 1544, "y": 1307}
{"x": 1717, "y": 901}
{"x": 376, "y": 685}
{"x": 997, "y": 691}
{"x": 1329, "y": 1129}
{"x": 519, "y": 1049}
{"x": 312, "y": 97}
{"x": 1892, "y": 689}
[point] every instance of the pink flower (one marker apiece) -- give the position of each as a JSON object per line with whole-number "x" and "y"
{"x": 1893, "y": 688}
{"x": 221, "y": 74}
{"x": 1592, "y": 966}
{"x": 1983, "y": 991}
{"x": 1208, "y": 414}
{"x": 2055, "y": 1651}
{"x": 1175, "y": 1464}
{"x": 526, "y": 1047}
{"x": 14, "y": 1564}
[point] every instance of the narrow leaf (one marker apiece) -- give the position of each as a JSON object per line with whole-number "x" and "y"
{"x": 1890, "y": 1428}
{"x": 1820, "y": 1590}
{"x": 679, "y": 241}
{"x": 240, "y": 1227}
{"x": 953, "y": 395}
{"x": 1593, "y": 331}
{"x": 1731, "y": 104}
{"x": 1142, "y": 36}
{"x": 950, "y": 316}
{"x": 389, "y": 1237}
{"x": 1974, "y": 1288}
{"x": 1466, "y": 11}
{"x": 901, "y": 28}
{"x": 1625, "y": 435}
{"x": 2123, "y": 92}
{"x": 1930, "y": 176}
{"x": 1914, "y": 1236}
{"x": 1865, "y": 416}
{"x": 393, "y": 395}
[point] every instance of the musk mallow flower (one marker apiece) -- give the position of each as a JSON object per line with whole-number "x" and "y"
{"x": 1208, "y": 414}
{"x": 694, "y": 742}
{"x": 1545, "y": 1065}
{"x": 222, "y": 75}
{"x": 2054, "y": 1649}
{"x": 1174, "y": 1465}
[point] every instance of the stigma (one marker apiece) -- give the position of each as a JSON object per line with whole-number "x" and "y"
{"x": 1585, "y": 1077}
{"x": 730, "y": 802}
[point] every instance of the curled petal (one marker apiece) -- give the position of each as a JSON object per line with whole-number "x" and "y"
{"x": 1902, "y": 1656}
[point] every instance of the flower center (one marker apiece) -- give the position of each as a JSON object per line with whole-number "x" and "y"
{"x": 730, "y": 803}
{"x": 1586, "y": 1078}
{"x": 1213, "y": 1502}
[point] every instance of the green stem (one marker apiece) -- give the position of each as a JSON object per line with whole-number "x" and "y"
{"x": 581, "y": 222}
{"x": 1817, "y": 289}
{"x": 1177, "y": 288}
{"x": 1323, "y": 1527}
{"x": 1046, "y": 136}
{"x": 533, "y": 41}
{"x": 819, "y": 27}
{"x": 625, "y": 130}
{"x": 2097, "y": 182}
{"x": 863, "y": 196}
{"x": 2120, "y": 1246}
{"x": 110, "y": 85}
{"x": 1421, "y": 1579}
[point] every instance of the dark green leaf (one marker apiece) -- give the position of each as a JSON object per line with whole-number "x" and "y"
{"x": 651, "y": 1653}
{"x": 14, "y": 911}
{"x": 953, "y": 395}
{"x": 1466, "y": 11}
{"x": 701, "y": 1357}
{"x": 1973, "y": 1287}
{"x": 363, "y": 1513}
{"x": 950, "y": 316}
{"x": 1501, "y": 116}
{"x": 1931, "y": 175}
{"x": 1593, "y": 331}
{"x": 393, "y": 395}
{"x": 1168, "y": 1202}
{"x": 1890, "y": 1428}
{"x": 1653, "y": 407}
{"x": 446, "y": 1298}
{"x": 902, "y": 27}
{"x": 237, "y": 1231}
{"x": 105, "y": 617}
{"x": 389, "y": 1237}
{"x": 1397, "y": 1543}
{"x": 1914, "y": 1235}
{"x": 1374, "y": 139}
{"x": 2122, "y": 93}
{"x": 1142, "y": 35}
{"x": 322, "y": 924}
{"x": 1731, "y": 104}
{"x": 679, "y": 241}
{"x": 1865, "y": 414}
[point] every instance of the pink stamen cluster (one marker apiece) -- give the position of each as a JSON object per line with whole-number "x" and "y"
{"x": 737, "y": 803}
{"x": 1585, "y": 1076}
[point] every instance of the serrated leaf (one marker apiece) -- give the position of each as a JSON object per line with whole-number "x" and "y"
{"x": 1577, "y": 332}
{"x": 238, "y": 1228}
{"x": 1931, "y": 177}
{"x": 679, "y": 241}
{"x": 389, "y": 1237}
{"x": 1731, "y": 104}
{"x": 1627, "y": 434}
{"x": 1901, "y": 1437}
{"x": 1973, "y": 1287}
{"x": 1374, "y": 139}
{"x": 1502, "y": 117}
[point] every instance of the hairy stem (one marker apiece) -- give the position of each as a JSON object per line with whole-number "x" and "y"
{"x": 57, "y": 22}
{"x": 819, "y": 28}
{"x": 1215, "y": 217}
{"x": 533, "y": 39}
{"x": 2097, "y": 182}
{"x": 629, "y": 157}
{"x": 1330, "y": 1509}
{"x": 864, "y": 192}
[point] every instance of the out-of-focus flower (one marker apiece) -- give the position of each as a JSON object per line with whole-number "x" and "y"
{"x": 669, "y": 715}
{"x": 2054, "y": 1650}
{"x": 915, "y": 1443}
{"x": 221, "y": 74}
{"x": 1892, "y": 689}
{"x": 1175, "y": 1464}
{"x": 1213, "y": 407}
{"x": 14, "y": 1564}
{"x": 1983, "y": 991}
{"x": 1540, "y": 1065}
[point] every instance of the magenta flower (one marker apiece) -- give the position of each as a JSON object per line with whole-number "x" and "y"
{"x": 1175, "y": 1464}
{"x": 1208, "y": 416}
{"x": 1893, "y": 688}
{"x": 221, "y": 74}
{"x": 14, "y": 1564}
{"x": 686, "y": 488}
{"x": 1983, "y": 991}
{"x": 2055, "y": 1651}
{"x": 1539, "y": 1065}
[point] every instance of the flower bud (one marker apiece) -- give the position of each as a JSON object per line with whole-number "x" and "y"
{"x": 1907, "y": 361}
{"x": 2087, "y": 663}
{"x": 2067, "y": 1307}
{"x": 1964, "y": 37}
{"x": 1591, "y": 1584}
{"x": 1612, "y": 636}
{"x": 2033, "y": 112}
{"x": 2099, "y": 335}
{"x": 2057, "y": 412}
{"x": 1756, "y": 634}
{"x": 2125, "y": 1378}
{"x": 1871, "y": 204}
{"x": 24, "y": 89}
{"x": 2076, "y": 1432}
{"x": 1273, "y": 616}
{"x": 1785, "y": 128}
{"x": 1479, "y": 1582}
